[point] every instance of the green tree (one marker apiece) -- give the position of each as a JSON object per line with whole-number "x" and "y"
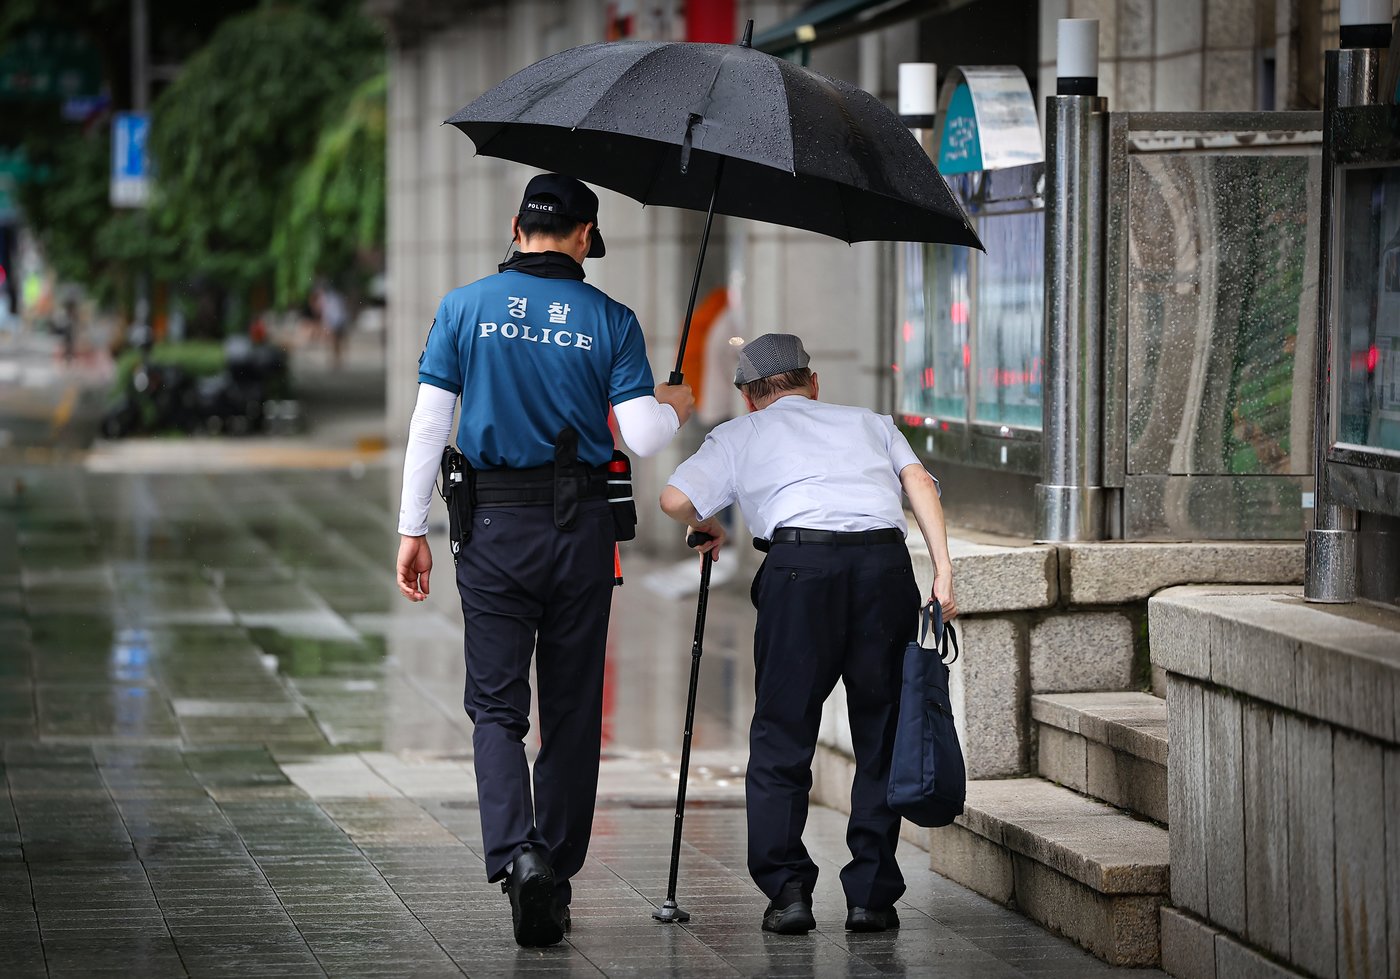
{"x": 231, "y": 134}
{"x": 335, "y": 222}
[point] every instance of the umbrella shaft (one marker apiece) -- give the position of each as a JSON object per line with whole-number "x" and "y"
{"x": 677, "y": 376}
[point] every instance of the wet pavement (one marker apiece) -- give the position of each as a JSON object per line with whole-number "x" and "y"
{"x": 230, "y": 748}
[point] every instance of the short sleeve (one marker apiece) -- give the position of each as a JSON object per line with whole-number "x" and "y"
{"x": 707, "y": 478}
{"x": 439, "y": 364}
{"x": 631, "y": 373}
{"x": 902, "y": 454}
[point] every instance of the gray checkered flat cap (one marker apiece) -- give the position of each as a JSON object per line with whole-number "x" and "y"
{"x": 772, "y": 353}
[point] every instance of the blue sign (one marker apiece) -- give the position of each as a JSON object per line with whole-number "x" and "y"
{"x": 961, "y": 149}
{"x": 131, "y": 163}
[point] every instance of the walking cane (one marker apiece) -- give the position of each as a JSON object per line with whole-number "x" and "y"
{"x": 670, "y": 912}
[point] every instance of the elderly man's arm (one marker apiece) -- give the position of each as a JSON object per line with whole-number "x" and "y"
{"x": 922, "y": 492}
{"x": 678, "y": 507}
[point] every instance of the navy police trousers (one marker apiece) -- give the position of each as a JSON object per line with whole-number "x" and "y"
{"x": 827, "y": 612}
{"x": 530, "y": 589}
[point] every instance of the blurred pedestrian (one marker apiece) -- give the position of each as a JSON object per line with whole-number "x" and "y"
{"x": 66, "y": 324}
{"x": 820, "y": 484}
{"x": 334, "y": 315}
{"x": 536, "y": 356}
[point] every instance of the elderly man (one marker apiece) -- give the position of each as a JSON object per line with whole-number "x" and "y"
{"x": 820, "y": 484}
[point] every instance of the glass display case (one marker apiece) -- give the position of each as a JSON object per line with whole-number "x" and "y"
{"x": 1368, "y": 313}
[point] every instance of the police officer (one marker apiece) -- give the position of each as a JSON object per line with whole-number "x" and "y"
{"x": 836, "y": 598}
{"x": 536, "y": 356}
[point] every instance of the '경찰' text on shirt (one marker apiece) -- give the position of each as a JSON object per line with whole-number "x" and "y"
{"x": 530, "y": 356}
{"x": 802, "y": 463}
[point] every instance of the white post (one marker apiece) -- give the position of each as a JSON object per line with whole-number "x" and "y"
{"x": 1077, "y": 57}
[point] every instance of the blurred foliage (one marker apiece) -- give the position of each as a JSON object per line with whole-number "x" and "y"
{"x": 230, "y": 136}
{"x": 198, "y": 358}
{"x": 336, "y": 218}
{"x": 84, "y": 238}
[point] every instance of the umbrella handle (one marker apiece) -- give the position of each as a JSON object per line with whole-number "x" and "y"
{"x": 676, "y": 376}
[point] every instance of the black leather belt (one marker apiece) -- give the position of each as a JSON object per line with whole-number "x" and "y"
{"x": 839, "y": 538}
{"x": 530, "y": 487}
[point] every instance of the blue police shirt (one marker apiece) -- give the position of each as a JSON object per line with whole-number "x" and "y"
{"x": 531, "y": 356}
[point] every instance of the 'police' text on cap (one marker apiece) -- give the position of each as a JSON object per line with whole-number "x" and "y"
{"x": 554, "y": 193}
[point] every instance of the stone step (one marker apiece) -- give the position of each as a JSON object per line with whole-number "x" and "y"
{"x": 1077, "y": 866}
{"x": 1112, "y": 746}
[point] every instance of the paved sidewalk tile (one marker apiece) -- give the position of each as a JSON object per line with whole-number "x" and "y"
{"x": 227, "y": 748}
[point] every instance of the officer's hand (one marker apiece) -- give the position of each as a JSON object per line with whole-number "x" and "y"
{"x": 715, "y": 531}
{"x": 415, "y": 563}
{"x": 679, "y": 397}
{"x": 943, "y": 591}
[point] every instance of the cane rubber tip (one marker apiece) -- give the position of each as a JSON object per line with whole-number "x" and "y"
{"x": 670, "y": 914}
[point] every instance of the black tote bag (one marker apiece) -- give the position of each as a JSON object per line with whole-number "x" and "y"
{"x": 928, "y": 780}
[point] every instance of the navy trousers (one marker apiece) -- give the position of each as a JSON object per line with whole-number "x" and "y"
{"x": 827, "y": 613}
{"x": 530, "y": 589}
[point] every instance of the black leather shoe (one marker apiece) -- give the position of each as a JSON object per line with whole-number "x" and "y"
{"x": 530, "y": 886}
{"x": 790, "y": 913}
{"x": 872, "y": 919}
{"x": 561, "y": 911}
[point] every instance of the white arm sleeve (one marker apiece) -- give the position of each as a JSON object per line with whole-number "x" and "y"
{"x": 428, "y": 432}
{"x": 646, "y": 424}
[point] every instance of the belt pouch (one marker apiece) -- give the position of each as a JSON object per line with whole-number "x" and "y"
{"x": 570, "y": 479}
{"x": 623, "y": 506}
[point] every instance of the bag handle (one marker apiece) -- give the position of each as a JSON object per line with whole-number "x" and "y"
{"x": 945, "y": 636}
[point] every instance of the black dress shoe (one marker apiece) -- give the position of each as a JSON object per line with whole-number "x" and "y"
{"x": 790, "y": 913}
{"x": 530, "y": 886}
{"x": 871, "y": 919}
{"x": 565, "y": 921}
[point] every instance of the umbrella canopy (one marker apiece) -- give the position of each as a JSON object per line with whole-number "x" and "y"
{"x": 693, "y": 125}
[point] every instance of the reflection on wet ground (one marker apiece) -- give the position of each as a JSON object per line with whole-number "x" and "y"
{"x": 231, "y": 748}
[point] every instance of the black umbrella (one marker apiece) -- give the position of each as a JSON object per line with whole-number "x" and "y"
{"x": 720, "y": 128}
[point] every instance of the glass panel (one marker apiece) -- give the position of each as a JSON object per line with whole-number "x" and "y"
{"x": 1368, "y": 320}
{"x": 1220, "y": 275}
{"x": 933, "y": 350}
{"x": 1010, "y": 318}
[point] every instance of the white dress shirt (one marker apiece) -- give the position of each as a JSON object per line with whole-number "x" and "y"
{"x": 802, "y": 463}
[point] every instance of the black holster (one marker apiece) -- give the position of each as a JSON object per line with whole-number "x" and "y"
{"x": 570, "y": 479}
{"x": 457, "y": 492}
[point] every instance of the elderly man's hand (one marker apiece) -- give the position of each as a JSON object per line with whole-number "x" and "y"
{"x": 715, "y": 531}
{"x": 943, "y": 591}
{"x": 415, "y": 564}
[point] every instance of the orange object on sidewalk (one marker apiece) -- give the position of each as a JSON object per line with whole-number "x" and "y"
{"x": 704, "y": 318}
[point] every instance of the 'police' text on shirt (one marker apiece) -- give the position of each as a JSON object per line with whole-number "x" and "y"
{"x": 523, "y": 331}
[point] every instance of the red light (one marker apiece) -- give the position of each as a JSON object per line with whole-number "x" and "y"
{"x": 945, "y": 426}
{"x": 1372, "y": 358}
{"x": 895, "y": 368}
{"x": 958, "y": 312}
{"x": 967, "y": 355}
{"x": 908, "y": 332}
{"x": 3, "y": 275}
{"x": 928, "y": 377}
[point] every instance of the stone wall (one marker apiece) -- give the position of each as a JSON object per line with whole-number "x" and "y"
{"x": 1283, "y": 784}
{"x": 1042, "y": 618}
{"x": 1194, "y": 55}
